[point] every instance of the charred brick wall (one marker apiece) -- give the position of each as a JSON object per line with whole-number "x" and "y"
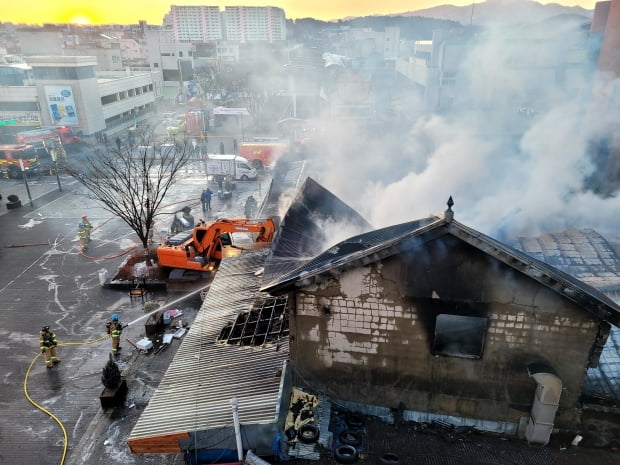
{"x": 369, "y": 335}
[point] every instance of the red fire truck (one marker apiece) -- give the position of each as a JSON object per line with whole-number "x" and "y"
{"x": 18, "y": 158}
{"x": 262, "y": 152}
{"x": 196, "y": 122}
{"x": 37, "y": 136}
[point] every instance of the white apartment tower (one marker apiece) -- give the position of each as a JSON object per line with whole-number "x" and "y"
{"x": 196, "y": 23}
{"x": 254, "y": 23}
{"x": 237, "y": 23}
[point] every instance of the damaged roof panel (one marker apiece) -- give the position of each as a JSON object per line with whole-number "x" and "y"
{"x": 315, "y": 219}
{"x": 582, "y": 253}
{"x": 389, "y": 241}
{"x": 194, "y": 394}
{"x": 588, "y": 256}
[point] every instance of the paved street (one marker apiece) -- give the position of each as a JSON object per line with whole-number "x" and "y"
{"x": 45, "y": 280}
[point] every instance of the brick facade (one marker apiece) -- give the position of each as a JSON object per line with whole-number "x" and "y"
{"x": 369, "y": 335}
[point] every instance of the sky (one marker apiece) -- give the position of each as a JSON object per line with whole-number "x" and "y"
{"x": 153, "y": 11}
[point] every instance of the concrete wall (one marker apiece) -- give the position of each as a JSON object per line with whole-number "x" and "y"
{"x": 123, "y": 86}
{"x": 367, "y": 336}
{"x": 17, "y": 94}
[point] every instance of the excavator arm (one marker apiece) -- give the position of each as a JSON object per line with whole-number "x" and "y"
{"x": 204, "y": 247}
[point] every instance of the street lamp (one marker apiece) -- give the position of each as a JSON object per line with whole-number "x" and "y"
{"x": 21, "y": 165}
{"x": 55, "y": 160}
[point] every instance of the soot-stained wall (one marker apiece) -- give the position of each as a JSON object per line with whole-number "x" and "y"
{"x": 368, "y": 335}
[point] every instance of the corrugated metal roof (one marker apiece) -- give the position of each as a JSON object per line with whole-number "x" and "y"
{"x": 194, "y": 394}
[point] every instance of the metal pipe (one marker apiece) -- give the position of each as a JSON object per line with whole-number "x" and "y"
{"x": 234, "y": 403}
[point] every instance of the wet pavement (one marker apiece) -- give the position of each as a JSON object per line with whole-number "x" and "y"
{"x": 46, "y": 281}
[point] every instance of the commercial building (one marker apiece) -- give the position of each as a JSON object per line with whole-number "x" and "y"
{"x": 66, "y": 90}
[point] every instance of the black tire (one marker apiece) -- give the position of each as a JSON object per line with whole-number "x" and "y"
{"x": 350, "y": 437}
{"x": 389, "y": 458}
{"x": 15, "y": 173}
{"x": 244, "y": 178}
{"x": 354, "y": 421}
{"x": 346, "y": 454}
{"x": 308, "y": 433}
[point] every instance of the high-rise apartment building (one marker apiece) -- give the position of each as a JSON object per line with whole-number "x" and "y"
{"x": 254, "y": 23}
{"x": 239, "y": 23}
{"x": 196, "y": 23}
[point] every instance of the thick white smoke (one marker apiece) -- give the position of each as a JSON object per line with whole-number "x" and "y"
{"x": 509, "y": 172}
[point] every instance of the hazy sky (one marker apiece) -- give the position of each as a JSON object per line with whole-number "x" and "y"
{"x": 153, "y": 11}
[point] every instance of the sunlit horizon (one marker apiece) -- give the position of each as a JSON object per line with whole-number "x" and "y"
{"x": 38, "y": 12}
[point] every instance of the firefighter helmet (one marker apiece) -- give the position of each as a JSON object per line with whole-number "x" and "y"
{"x": 45, "y": 328}
{"x": 115, "y": 317}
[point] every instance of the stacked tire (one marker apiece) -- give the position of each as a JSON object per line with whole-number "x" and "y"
{"x": 349, "y": 439}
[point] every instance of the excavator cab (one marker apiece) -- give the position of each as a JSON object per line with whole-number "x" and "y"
{"x": 225, "y": 239}
{"x": 202, "y": 250}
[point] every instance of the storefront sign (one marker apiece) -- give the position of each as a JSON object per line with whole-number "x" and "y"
{"x": 61, "y": 105}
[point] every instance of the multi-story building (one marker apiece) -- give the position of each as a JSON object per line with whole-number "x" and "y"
{"x": 527, "y": 72}
{"x": 604, "y": 48}
{"x": 196, "y": 23}
{"x": 237, "y": 23}
{"x": 167, "y": 55}
{"x": 247, "y": 23}
{"x": 60, "y": 40}
{"x": 66, "y": 90}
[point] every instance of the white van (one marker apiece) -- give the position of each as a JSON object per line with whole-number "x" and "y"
{"x": 230, "y": 165}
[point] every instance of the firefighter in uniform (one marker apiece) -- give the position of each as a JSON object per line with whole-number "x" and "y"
{"x": 115, "y": 328}
{"x": 48, "y": 343}
{"x": 87, "y": 226}
{"x": 4, "y": 169}
{"x": 83, "y": 236}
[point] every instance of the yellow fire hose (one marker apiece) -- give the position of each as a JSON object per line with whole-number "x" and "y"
{"x": 43, "y": 409}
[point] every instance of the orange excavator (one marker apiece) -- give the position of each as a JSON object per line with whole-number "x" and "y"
{"x": 201, "y": 248}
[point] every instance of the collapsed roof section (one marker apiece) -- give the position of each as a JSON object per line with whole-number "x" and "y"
{"x": 191, "y": 405}
{"x": 315, "y": 220}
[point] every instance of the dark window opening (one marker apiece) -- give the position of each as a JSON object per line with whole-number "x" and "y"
{"x": 109, "y": 99}
{"x": 267, "y": 322}
{"x": 459, "y": 336}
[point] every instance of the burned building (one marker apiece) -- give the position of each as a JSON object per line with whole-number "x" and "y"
{"x": 423, "y": 321}
{"x": 438, "y": 320}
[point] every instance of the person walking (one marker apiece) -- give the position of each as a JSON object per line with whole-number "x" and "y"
{"x": 130, "y": 141}
{"x": 222, "y": 148}
{"x": 87, "y": 227}
{"x": 48, "y": 343}
{"x": 119, "y": 143}
{"x": 114, "y": 328}
{"x": 105, "y": 138}
{"x": 235, "y": 146}
{"x": 250, "y": 207}
{"x": 83, "y": 236}
{"x": 205, "y": 198}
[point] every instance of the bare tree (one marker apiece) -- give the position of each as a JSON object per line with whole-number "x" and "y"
{"x": 132, "y": 182}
